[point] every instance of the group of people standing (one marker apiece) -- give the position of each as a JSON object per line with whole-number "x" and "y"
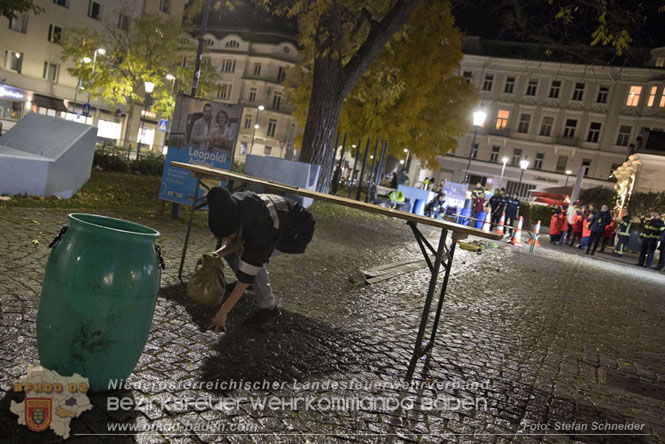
{"x": 583, "y": 227}
{"x": 499, "y": 204}
{"x": 586, "y": 228}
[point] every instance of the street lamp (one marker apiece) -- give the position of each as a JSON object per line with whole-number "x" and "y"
{"x": 256, "y": 126}
{"x": 524, "y": 164}
{"x": 568, "y": 173}
{"x": 171, "y": 77}
{"x": 100, "y": 51}
{"x": 149, "y": 87}
{"x": 503, "y": 168}
{"x": 478, "y": 121}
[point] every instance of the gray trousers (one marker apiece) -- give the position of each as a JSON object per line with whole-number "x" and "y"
{"x": 263, "y": 295}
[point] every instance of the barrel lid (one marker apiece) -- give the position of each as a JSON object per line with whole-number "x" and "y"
{"x": 112, "y": 224}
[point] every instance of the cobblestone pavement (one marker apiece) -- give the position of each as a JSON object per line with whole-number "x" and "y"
{"x": 529, "y": 343}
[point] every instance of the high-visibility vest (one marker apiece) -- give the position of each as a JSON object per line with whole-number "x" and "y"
{"x": 624, "y": 228}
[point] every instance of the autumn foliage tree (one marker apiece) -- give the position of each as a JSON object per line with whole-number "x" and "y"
{"x": 150, "y": 49}
{"x": 422, "y": 106}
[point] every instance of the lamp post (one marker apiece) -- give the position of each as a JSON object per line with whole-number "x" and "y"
{"x": 568, "y": 173}
{"x": 478, "y": 121}
{"x": 503, "y": 168}
{"x": 149, "y": 86}
{"x": 100, "y": 51}
{"x": 524, "y": 164}
{"x": 256, "y": 126}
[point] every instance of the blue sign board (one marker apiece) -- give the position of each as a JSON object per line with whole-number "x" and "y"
{"x": 178, "y": 185}
{"x": 86, "y": 109}
{"x": 163, "y": 125}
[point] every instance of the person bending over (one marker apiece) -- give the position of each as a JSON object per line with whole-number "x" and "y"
{"x": 265, "y": 225}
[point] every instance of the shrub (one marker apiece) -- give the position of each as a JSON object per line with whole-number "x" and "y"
{"x": 149, "y": 164}
{"x": 110, "y": 159}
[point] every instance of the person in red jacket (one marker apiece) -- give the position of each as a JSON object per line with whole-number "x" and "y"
{"x": 609, "y": 235}
{"x": 556, "y": 226}
{"x": 586, "y": 231}
{"x": 578, "y": 218}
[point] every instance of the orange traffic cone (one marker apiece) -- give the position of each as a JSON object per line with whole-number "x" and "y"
{"x": 536, "y": 232}
{"x": 488, "y": 222}
{"x": 517, "y": 237}
{"x": 502, "y": 221}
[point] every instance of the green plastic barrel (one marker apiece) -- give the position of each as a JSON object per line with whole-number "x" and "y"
{"x": 98, "y": 298}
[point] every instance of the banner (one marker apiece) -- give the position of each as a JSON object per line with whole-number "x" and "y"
{"x": 203, "y": 132}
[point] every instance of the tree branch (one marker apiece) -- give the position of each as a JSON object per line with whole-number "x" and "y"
{"x": 379, "y": 35}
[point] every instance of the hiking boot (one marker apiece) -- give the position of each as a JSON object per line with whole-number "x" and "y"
{"x": 263, "y": 316}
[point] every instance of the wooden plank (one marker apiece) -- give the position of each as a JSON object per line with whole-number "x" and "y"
{"x": 214, "y": 173}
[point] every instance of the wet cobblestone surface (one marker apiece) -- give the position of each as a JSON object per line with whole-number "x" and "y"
{"x": 528, "y": 339}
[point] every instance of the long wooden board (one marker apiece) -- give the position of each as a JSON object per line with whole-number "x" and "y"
{"x": 215, "y": 173}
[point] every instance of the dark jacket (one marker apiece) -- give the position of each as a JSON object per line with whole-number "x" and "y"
{"x": 498, "y": 203}
{"x": 512, "y": 208}
{"x": 270, "y": 222}
{"x": 435, "y": 207}
{"x": 624, "y": 226}
{"x": 600, "y": 221}
{"x": 653, "y": 229}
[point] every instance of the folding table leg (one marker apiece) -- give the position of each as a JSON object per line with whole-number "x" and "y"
{"x": 419, "y": 350}
{"x": 189, "y": 227}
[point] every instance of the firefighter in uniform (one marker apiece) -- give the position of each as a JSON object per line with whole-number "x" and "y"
{"x": 623, "y": 230}
{"x": 651, "y": 233}
{"x": 267, "y": 225}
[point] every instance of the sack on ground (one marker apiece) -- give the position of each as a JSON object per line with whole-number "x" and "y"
{"x": 207, "y": 284}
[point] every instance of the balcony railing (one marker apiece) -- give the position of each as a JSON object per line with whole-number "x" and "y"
{"x": 503, "y": 132}
{"x": 569, "y": 141}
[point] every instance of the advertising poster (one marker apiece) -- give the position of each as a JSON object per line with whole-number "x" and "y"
{"x": 203, "y": 132}
{"x": 455, "y": 196}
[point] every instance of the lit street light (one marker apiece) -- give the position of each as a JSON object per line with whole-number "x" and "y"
{"x": 478, "y": 121}
{"x": 149, "y": 87}
{"x": 256, "y": 126}
{"x": 503, "y": 168}
{"x": 524, "y": 164}
{"x": 171, "y": 77}
{"x": 568, "y": 173}
{"x": 100, "y": 51}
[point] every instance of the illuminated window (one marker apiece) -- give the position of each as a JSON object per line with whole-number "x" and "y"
{"x": 502, "y": 119}
{"x": 662, "y": 99}
{"x": 634, "y": 96}
{"x": 652, "y": 95}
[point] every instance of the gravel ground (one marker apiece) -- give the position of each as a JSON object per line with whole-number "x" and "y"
{"x": 529, "y": 345}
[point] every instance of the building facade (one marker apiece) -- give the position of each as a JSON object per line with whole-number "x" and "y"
{"x": 33, "y": 78}
{"x": 253, "y": 66}
{"x": 563, "y": 118}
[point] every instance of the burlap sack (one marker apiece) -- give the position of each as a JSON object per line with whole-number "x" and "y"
{"x": 207, "y": 284}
